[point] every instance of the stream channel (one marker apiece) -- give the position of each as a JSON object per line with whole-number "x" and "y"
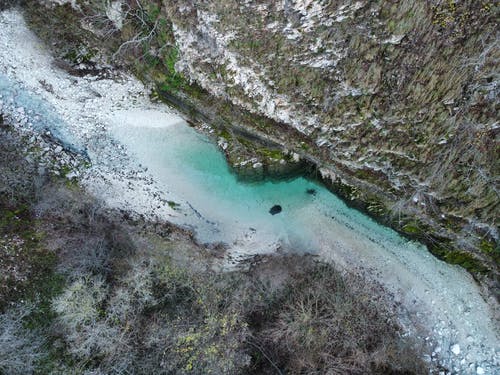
{"x": 146, "y": 159}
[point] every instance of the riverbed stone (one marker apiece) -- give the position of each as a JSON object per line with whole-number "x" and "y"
{"x": 276, "y": 209}
{"x": 455, "y": 349}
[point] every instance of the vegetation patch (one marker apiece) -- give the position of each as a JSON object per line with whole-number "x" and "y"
{"x": 173, "y": 204}
{"x": 461, "y": 258}
{"x": 274, "y": 154}
{"x": 467, "y": 261}
{"x": 412, "y": 228}
{"x": 489, "y": 247}
{"x": 111, "y": 295}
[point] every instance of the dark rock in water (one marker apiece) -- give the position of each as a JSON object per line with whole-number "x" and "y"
{"x": 311, "y": 191}
{"x": 276, "y": 209}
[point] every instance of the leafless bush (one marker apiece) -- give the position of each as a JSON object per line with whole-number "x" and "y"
{"x": 326, "y": 323}
{"x": 92, "y": 257}
{"x": 79, "y": 309}
{"x": 146, "y": 26}
{"x": 17, "y": 183}
{"x": 132, "y": 304}
{"x": 159, "y": 317}
{"x": 6, "y": 4}
{"x": 97, "y": 14}
{"x": 20, "y": 348}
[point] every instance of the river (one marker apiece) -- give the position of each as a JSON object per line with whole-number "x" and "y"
{"x": 147, "y": 160}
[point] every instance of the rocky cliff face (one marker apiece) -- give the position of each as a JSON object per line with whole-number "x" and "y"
{"x": 394, "y": 102}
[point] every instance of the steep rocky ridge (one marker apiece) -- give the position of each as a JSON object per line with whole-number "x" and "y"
{"x": 393, "y": 103}
{"x": 401, "y": 95}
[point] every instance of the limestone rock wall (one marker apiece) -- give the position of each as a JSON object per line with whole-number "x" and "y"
{"x": 397, "y": 100}
{"x": 403, "y": 94}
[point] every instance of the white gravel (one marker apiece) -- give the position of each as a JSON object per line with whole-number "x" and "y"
{"x": 463, "y": 329}
{"x": 87, "y": 104}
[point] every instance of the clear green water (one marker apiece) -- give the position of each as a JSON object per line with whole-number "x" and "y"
{"x": 217, "y": 205}
{"x": 192, "y": 168}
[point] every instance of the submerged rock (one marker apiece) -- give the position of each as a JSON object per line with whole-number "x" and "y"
{"x": 311, "y": 191}
{"x": 276, "y": 209}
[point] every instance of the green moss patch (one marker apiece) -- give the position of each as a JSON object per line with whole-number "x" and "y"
{"x": 461, "y": 258}
{"x": 173, "y": 204}
{"x": 491, "y": 249}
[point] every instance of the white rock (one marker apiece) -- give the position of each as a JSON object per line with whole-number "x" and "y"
{"x": 479, "y": 370}
{"x": 58, "y": 149}
{"x": 222, "y": 144}
{"x": 394, "y": 39}
{"x": 455, "y": 349}
{"x": 71, "y": 175}
{"x": 115, "y": 14}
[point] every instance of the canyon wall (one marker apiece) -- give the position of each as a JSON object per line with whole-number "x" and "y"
{"x": 393, "y": 103}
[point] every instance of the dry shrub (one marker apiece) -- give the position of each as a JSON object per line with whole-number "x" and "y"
{"x": 323, "y": 322}
{"x": 139, "y": 300}
{"x": 20, "y": 348}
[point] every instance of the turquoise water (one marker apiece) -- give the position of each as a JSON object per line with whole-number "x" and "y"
{"x": 192, "y": 168}
{"x": 42, "y": 116}
{"x": 217, "y": 205}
